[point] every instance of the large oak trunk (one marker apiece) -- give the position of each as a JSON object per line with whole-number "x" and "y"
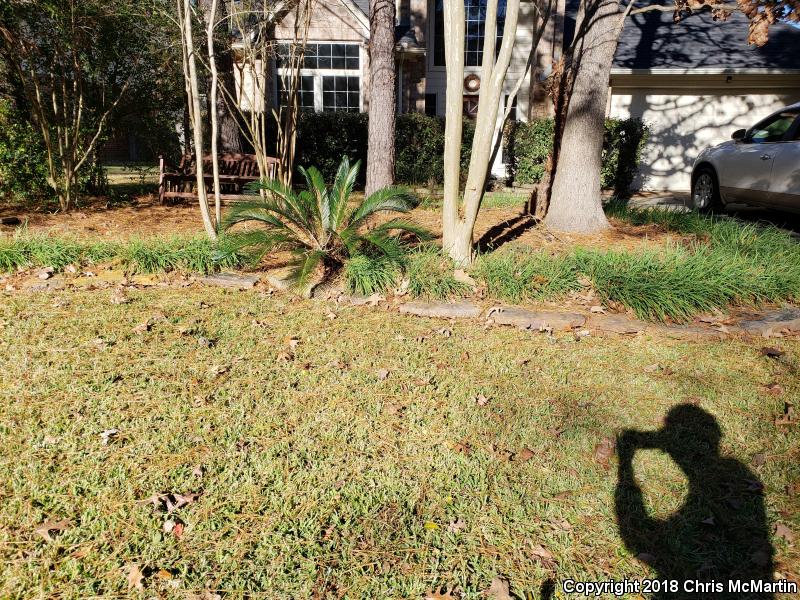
{"x": 380, "y": 153}
{"x": 576, "y": 203}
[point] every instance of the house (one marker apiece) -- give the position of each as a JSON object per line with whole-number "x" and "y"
{"x": 694, "y": 81}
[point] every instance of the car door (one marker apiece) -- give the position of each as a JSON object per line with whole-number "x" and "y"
{"x": 785, "y": 178}
{"x": 746, "y": 169}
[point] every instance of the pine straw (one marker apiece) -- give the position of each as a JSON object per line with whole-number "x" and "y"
{"x": 321, "y": 477}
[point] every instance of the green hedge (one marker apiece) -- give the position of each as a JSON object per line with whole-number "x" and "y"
{"x": 528, "y": 144}
{"x": 324, "y": 138}
{"x": 23, "y": 161}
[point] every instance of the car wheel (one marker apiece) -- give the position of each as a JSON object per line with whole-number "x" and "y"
{"x": 705, "y": 191}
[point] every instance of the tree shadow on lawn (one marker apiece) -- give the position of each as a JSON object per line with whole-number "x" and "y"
{"x": 720, "y": 533}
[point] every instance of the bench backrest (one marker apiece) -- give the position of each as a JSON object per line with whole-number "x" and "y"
{"x": 240, "y": 165}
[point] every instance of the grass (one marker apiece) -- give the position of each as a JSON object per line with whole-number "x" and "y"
{"x": 370, "y": 274}
{"x": 430, "y": 275}
{"x": 319, "y": 477}
{"x": 152, "y": 255}
{"x": 490, "y": 200}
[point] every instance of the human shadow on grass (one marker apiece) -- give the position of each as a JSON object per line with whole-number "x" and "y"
{"x": 720, "y": 533}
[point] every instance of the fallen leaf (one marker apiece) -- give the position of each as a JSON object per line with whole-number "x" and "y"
{"x": 604, "y": 450}
{"x": 599, "y": 310}
{"x": 782, "y": 531}
{"x": 499, "y": 589}
{"x": 135, "y": 577}
{"x": 142, "y": 328}
{"x": 456, "y": 526}
{"x": 45, "y": 528}
{"x": 774, "y": 388}
{"x": 284, "y": 357}
{"x": 561, "y": 524}
{"x": 524, "y": 455}
{"x": 772, "y": 352}
{"x": 651, "y": 368}
{"x": 109, "y": 435}
{"x": 541, "y": 552}
{"x": 331, "y": 316}
{"x": 168, "y": 526}
{"x": 205, "y": 342}
{"x": 431, "y": 525}
{"x": 462, "y": 448}
{"x": 261, "y": 324}
{"x": 119, "y": 297}
{"x": 374, "y": 299}
{"x": 382, "y": 374}
{"x": 198, "y": 471}
{"x": 292, "y": 342}
{"x": 177, "y": 531}
{"x": 445, "y": 332}
{"x": 481, "y": 400}
{"x": 709, "y": 521}
{"x": 163, "y": 574}
{"x": 441, "y": 593}
{"x": 759, "y": 459}
{"x": 218, "y": 370}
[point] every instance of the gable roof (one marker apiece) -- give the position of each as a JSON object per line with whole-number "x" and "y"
{"x": 363, "y": 5}
{"x": 652, "y": 40}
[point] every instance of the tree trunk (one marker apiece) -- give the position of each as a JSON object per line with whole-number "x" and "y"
{"x": 576, "y": 203}
{"x": 457, "y": 229}
{"x": 230, "y": 139}
{"x": 382, "y": 101}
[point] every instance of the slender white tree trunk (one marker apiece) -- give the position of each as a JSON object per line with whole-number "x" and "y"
{"x": 212, "y": 61}
{"x": 193, "y": 95}
{"x": 458, "y": 228}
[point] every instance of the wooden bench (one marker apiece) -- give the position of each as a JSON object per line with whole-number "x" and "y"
{"x": 235, "y": 172}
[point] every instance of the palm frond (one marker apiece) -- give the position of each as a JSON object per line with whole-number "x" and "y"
{"x": 303, "y": 266}
{"x": 342, "y": 189}
{"x": 395, "y": 199}
{"x": 405, "y": 226}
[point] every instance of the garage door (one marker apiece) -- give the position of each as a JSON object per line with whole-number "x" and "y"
{"x": 683, "y": 124}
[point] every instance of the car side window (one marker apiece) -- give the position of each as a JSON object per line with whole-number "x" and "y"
{"x": 772, "y": 129}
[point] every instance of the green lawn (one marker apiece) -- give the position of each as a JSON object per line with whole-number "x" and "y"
{"x": 347, "y": 456}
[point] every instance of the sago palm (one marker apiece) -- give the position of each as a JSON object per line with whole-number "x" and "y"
{"x": 320, "y": 226}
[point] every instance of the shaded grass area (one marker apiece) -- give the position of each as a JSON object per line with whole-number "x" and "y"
{"x": 317, "y": 476}
{"x": 151, "y": 255}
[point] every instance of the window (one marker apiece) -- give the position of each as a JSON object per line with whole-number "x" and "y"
{"x": 305, "y": 93}
{"x": 341, "y": 93}
{"x": 330, "y": 76}
{"x": 475, "y": 17}
{"x": 772, "y": 129}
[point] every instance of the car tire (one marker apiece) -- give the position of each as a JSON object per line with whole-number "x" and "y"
{"x": 705, "y": 191}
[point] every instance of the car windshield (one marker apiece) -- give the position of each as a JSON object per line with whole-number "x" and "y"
{"x": 772, "y": 129}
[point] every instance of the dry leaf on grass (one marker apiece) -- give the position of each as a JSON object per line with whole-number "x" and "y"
{"x": 109, "y": 435}
{"x": 782, "y": 531}
{"x": 382, "y": 374}
{"x": 456, "y": 526}
{"x": 772, "y": 352}
{"x": 171, "y": 501}
{"x": 499, "y": 589}
{"x": 524, "y": 455}
{"x": 481, "y": 400}
{"x": 135, "y": 577}
{"x": 442, "y": 593}
{"x": 119, "y": 297}
{"x": 45, "y": 528}
{"x": 462, "y": 448}
{"x": 604, "y": 450}
{"x": 774, "y": 388}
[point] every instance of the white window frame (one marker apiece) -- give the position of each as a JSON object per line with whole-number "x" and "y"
{"x": 318, "y": 74}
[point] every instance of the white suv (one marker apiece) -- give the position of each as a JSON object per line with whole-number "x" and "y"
{"x": 758, "y": 166}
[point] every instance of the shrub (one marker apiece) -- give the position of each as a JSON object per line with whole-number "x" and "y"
{"x": 323, "y": 139}
{"x": 320, "y": 227}
{"x": 430, "y": 275}
{"x": 528, "y": 145}
{"x": 23, "y": 161}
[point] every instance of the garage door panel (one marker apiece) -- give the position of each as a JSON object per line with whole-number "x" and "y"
{"x": 683, "y": 124}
